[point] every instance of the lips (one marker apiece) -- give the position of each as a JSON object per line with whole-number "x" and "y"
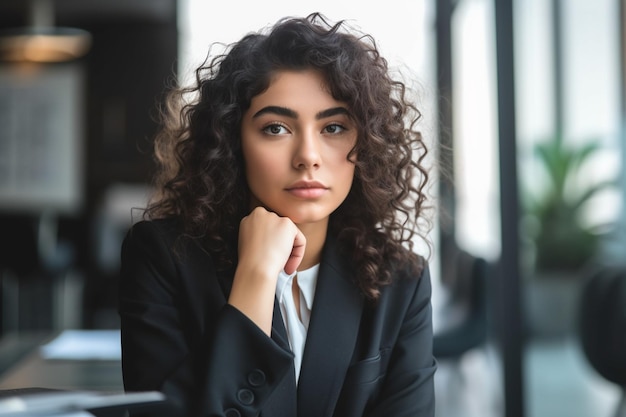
{"x": 307, "y": 189}
{"x": 306, "y": 184}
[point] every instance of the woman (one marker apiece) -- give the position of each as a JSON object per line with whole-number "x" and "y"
{"x": 273, "y": 274}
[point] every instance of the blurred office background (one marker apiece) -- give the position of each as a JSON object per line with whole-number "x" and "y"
{"x": 523, "y": 104}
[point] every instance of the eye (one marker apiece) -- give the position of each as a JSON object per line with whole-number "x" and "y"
{"x": 275, "y": 129}
{"x": 334, "y": 129}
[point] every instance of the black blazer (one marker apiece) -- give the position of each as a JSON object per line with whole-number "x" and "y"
{"x": 180, "y": 336}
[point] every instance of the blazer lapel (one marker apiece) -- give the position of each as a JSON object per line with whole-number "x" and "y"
{"x": 331, "y": 337}
{"x": 279, "y": 333}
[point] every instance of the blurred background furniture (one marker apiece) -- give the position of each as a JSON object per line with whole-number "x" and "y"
{"x": 72, "y": 133}
{"x": 78, "y": 360}
{"x": 465, "y": 282}
{"x": 603, "y": 326}
{"x": 464, "y": 340}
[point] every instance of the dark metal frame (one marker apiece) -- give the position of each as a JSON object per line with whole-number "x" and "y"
{"x": 507, "y": 286}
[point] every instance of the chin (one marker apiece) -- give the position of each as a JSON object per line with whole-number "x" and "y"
{"x": 302, "y": 218}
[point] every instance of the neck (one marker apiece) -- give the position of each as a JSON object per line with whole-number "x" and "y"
{"x": 315, "y": 234}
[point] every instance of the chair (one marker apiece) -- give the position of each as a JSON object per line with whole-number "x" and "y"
{"x": 467, "y": 283}
{"x": 467, "y": 374}
{"x": 602, "y": 326}
{"x": 35, "y": 279}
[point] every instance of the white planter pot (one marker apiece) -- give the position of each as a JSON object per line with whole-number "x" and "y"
{"x": 551, "y": 305}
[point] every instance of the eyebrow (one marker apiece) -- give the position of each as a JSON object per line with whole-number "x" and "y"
{"x": 284, "y": 111}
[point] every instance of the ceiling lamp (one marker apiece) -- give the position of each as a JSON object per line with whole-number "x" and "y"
{"x": 42, "y": 42}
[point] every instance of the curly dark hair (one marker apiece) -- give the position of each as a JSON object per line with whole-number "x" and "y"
{"x": 201, "y": 180}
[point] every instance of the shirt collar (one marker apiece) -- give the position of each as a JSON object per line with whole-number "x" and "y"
{"x": 283, "y": 283}
{"x": 307, "y": 281}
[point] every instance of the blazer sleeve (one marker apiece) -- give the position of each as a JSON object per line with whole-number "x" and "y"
{"x": 204, "y": 365}
{"x": 408, "y": 389}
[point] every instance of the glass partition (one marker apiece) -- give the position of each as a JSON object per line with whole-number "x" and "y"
{"x": 567, "y": 84}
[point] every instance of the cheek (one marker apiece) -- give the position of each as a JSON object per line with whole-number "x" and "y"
{"x": 346, "y": 162}
{"x": 344, "y": 171}
{"x": 261, "y": 166}
{"x": 350, "y": 175}
{"x": 260, "y": 159}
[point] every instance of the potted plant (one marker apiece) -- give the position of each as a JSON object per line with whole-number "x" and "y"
{"x": 562, "y": 242}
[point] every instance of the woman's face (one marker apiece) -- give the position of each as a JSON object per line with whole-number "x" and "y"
{"x": 295, "y": 140}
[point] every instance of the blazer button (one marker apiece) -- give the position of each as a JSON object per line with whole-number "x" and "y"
{"x": 256, "y": 378}
{"x": 245, "y": 396}
{"x": 232, "y": 412}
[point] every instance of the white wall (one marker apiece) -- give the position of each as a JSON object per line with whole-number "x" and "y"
{"x": 400, "y": 27}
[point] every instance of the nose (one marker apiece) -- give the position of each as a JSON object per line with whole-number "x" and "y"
{"x": 307, "y": 153}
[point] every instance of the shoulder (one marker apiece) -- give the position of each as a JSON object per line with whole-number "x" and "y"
{"x": 410, "y": 282}
{"x": 167, "y": 229}
{"x": 166, "y": 232}
{"x": 158, "y": 251}
{"x": 408, "y": 268}
{"x": 149, "y": 240}
{"x": 403, "y": 307}
{"x": 158, "y": 238}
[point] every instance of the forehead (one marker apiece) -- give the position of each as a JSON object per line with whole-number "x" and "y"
{"x": 296, "y": 88}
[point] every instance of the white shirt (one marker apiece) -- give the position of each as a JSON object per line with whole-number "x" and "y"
{"x": 296, "y": 324}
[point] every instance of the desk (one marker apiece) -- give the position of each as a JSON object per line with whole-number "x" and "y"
{"x": 22, "y": 365}
{"x": 25, "y": 370}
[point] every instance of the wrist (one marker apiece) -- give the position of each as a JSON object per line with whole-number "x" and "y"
{"x": 253, "y": 294}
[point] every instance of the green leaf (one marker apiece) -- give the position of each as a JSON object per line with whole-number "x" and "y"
{"x": 562, "y": 242}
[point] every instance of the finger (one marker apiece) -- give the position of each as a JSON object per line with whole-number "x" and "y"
{"x": 297, "y": 253}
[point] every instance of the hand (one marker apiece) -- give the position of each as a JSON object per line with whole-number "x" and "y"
{"x": 268, "y": 244}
